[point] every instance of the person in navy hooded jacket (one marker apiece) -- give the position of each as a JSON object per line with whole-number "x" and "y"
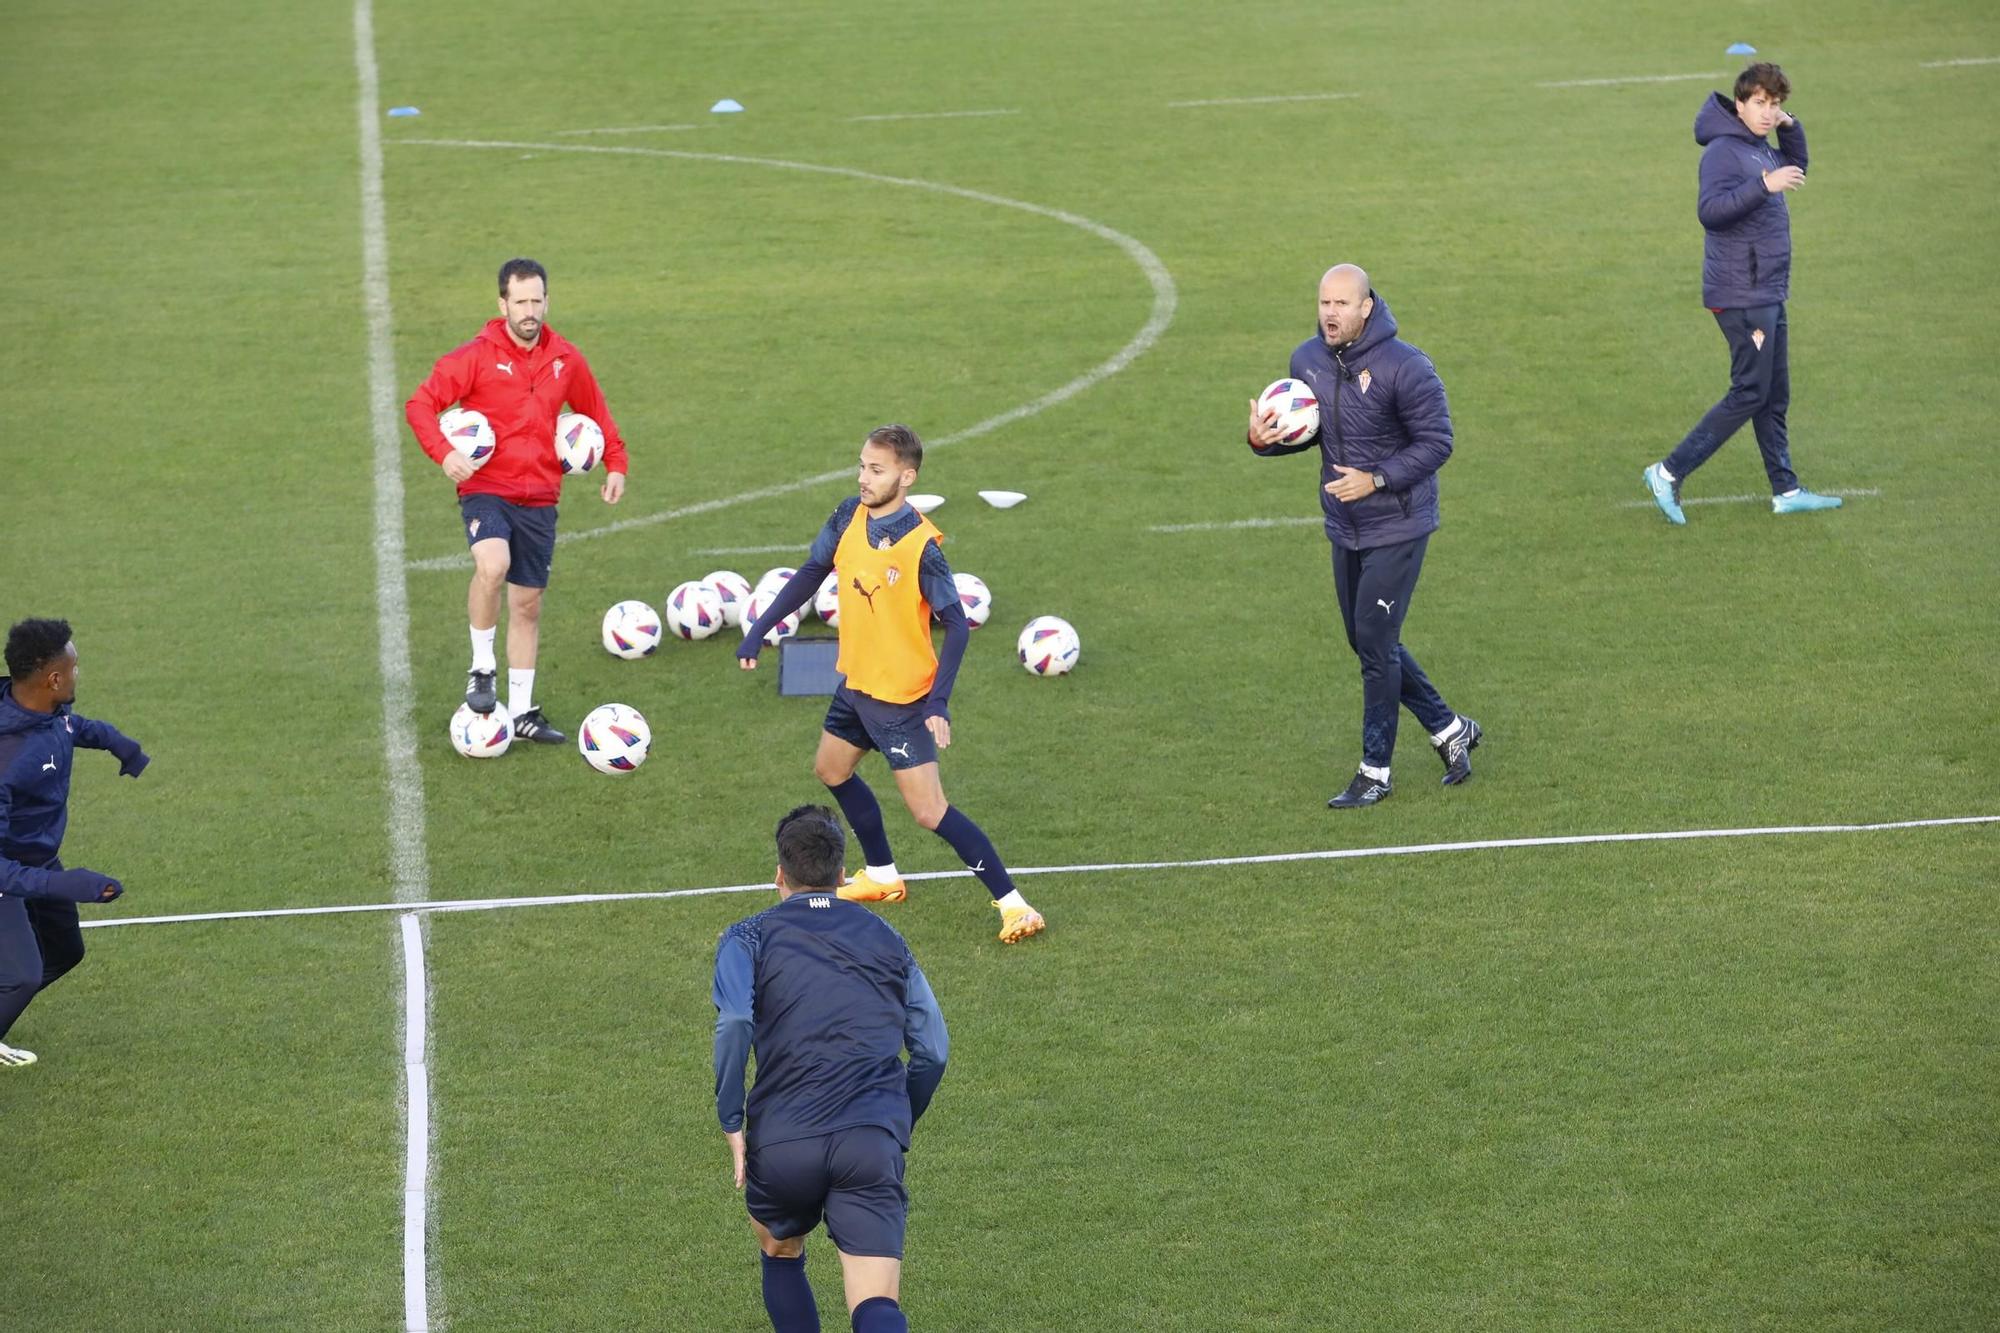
{"x": 40, "y": 936}
{"x": 1384, "y": 431}
{"x": 1746, "y": 277}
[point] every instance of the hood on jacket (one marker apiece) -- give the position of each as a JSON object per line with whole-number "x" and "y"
{"x": 14, "y": 718}
{"x": 1380, "y": 328}
{"x": 1718, "y": 118}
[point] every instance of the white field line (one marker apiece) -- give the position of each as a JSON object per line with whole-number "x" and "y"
{"x": 1165, "y": 299}
{"x": 1266, "y": 101}
{"x": 417, "y": 1142}
{"x": 626, "y": 129}
{"x": 1742, "y": 499}
{"x": 781, "y": 547}
{"x": 1949, "y": 64}
{"x": 404, "y": 818}
{"x": 934, "y": 115}
{"x": 1295, "y": 521}
{"x": 1636, "y": 78}
{"x": 1092, "y": 868}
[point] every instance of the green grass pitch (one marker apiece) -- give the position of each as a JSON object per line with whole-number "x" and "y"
{"x": 1741, "y": 1084}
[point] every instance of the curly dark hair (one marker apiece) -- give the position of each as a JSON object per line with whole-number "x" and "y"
{"x": 33, "y": 644}
{"x": 1763, "y": 74}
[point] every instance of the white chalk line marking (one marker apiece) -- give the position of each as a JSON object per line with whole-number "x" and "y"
{"x": 781, "y": 547}
{"x": 1636, "y": 78}
{"x": 627, "y": 129}
{"x": 934, "y": 115}
{"x": 1089, "y": 868}
{"x": 1165, "y": 299}
{"x": 404, "y": 818}
{"x": 1266, "y": 101}
{"x": 1295, "y": 521}
{"x": 1950, "y": 64}
{"x": 1743, "y": 499}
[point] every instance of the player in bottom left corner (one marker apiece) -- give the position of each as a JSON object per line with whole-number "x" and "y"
{"x": 518, "y": 373}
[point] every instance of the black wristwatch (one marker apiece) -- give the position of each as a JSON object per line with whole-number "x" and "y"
{"x": 1381, "y": 482}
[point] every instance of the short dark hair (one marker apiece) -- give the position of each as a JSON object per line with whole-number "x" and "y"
{"x": 812, "y": 848}
{"x": 1763, "y": 74}
{"x": 522, "y": 268}
{"x": 33, "y": 644}
{"x": 909, "y": 449}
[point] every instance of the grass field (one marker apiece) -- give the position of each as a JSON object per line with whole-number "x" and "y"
{"x": 1743, "y": 1083}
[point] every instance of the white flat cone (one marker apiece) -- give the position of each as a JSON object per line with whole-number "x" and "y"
{"x": 1002, "y": 499}
{"x": 923, "y": 504}
{"x": 727, "y": 104}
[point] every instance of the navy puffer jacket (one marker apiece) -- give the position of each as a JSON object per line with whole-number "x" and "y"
{"x": 1381, "y": 409}
{"x": 1747, "y": 258}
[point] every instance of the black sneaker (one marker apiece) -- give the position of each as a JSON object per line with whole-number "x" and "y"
{"x": 1457, "y": 752}
{"x": 480, "y": 692}
{"x": 532, "y": 726}
{"x": 1364, "y": 790}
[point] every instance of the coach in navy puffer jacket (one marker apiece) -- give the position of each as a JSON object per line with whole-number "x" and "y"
{"x": 1747, "y": 257}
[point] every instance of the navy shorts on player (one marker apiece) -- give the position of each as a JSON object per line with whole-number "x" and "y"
{"x": 528, "y": 530}
{"x": 851, "y": 1177}
{"x": 897, "y": 730}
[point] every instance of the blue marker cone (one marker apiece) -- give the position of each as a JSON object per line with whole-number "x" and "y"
{"x": 1741, "y": 49}
{"x": 727, "y": 104}
{"x": 404, "y": 111}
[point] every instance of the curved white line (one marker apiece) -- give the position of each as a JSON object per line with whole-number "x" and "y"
{"x": 1165, "y": 299}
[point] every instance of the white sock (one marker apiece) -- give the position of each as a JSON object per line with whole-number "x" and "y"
{"x": 1379, "y": 774}
{"x": 482, "y": 648}
{"x": 882, "y": 874}
{"x": 520, "y": 691}
{"x": 1440, "y": 737}
{"x": 1012, "y": 899}
{"x": 1793, "y": 491}
{"x": 1666, "y": 474}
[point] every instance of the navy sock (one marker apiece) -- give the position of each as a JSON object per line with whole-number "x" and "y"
{"x": 864, "y": 816}
{"x": 788, "y": 1297}
{"x": 879, "y": 1314}
{"x": 976, "y": 850}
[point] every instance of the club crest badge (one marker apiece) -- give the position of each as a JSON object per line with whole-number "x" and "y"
{"x": 893, "y": 574}
{"x": 1757, "y": 337}
{"x": 1365, "y": 380}
{"x": 472, "y": 528}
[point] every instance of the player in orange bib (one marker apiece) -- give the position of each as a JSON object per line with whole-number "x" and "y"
{"x": 897, "y": 688}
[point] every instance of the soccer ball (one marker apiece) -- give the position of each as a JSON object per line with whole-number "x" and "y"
{"x": 1049, "y": 646}
{"x": 579, "y": 442}
{"x": 469, "y": 433}
{"x": 975, "y": 597}
{"x": 694, "y": 610}
{"x": 1298, "y": 409}
{"x": 734, "y": 590}
{"x": 759, "y": 603}
{"x": 631, "y": 630}
{"x": 827, "y": 601}
{"x": 774, "y": 578}
{"x": 481, "y": 735}
{"x": 614, "y": 739}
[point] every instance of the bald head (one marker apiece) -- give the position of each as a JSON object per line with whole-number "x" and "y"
{"x": 1344, "y": 304}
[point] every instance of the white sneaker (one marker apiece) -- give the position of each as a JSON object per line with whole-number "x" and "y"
{"x": 13, "y": 1057}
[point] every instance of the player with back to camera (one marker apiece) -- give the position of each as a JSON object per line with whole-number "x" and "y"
{"x": 829, "y": 996}
{"x": 41, "y": 936}
{"x": 1746, "y": 278}
{"x": 518, "y": 372}
{"x": 1384, "y": 431}
{"x": 896, "y": 689}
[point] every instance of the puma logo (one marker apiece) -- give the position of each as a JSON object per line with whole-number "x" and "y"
{"x": 50, "y": 766}
{"x": 901, "y": 751}
{"x": 1388, "y": 608}
{"x": 869, "y": 593}
{"x": 505, "y": 367}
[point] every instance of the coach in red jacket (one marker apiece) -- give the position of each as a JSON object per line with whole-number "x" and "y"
{"x": 518, "y": 372}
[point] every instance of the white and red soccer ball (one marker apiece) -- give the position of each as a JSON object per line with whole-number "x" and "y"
{"x": 481, "y": 735}
{"x": 734, "y": 590}
{"x": 826, "y": 602}
{"x": 614, "y": 739}
{"x": 975, "y": 597}
{"x": 631, "y": 629}
{"x": 579, "y": 442}
{"x": 469, "y": 433}
{"x": 694, "y": 609}
{"x": 760, "y": 602}
{"x": 1297, "y": 408}
{"x": 1049, "y": 646}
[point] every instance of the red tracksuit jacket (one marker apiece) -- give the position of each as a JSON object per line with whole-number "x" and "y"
{"x": 521, "y": 393}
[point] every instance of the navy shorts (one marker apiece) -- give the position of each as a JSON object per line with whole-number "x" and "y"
{"x": 851, "y": 1177}
{"x": 897, "y": 730}
{"x": 528, "y": 530}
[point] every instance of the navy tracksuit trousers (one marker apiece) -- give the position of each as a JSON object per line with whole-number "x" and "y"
{"x": 1375, "y": 587}
{"x": 40, "y": 939}
{"x": 1760, "y": 392}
